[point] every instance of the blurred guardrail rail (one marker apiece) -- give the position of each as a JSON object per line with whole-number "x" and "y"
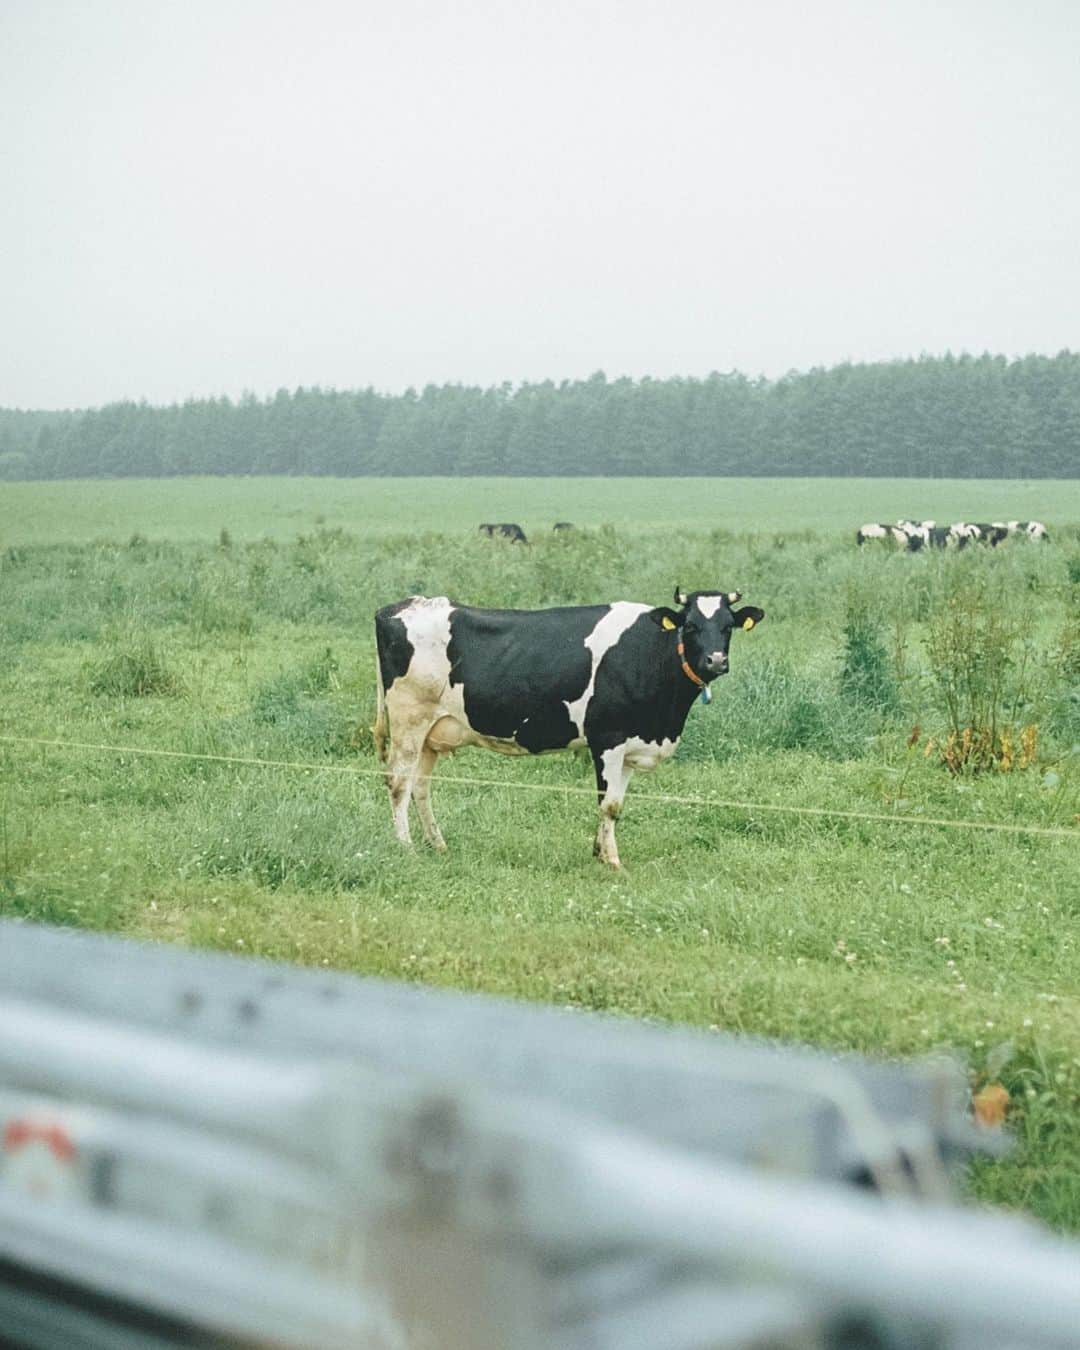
{"x": 200, "y": 1150}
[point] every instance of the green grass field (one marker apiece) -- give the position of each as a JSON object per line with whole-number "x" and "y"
{"x": 129, "y": 622}
{"x": 251, "y": 508}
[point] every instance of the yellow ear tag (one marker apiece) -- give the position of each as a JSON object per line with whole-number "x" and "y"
{"x": 665, "y": 622}
{"x": 747, "y": 624}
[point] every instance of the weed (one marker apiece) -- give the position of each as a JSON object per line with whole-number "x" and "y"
{"x": 979, "y": 664}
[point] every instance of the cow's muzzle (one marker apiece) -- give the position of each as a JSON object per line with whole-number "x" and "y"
{"x": 716, "y": 663}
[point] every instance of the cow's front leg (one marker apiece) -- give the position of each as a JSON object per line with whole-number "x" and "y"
{"x": 612, "y": 778}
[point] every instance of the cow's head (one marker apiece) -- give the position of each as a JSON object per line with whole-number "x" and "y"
{"x": 705, "y": 621}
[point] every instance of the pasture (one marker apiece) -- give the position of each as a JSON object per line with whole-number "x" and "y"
{"x": 280, "y": 508}
{"x": 232, "y": 619}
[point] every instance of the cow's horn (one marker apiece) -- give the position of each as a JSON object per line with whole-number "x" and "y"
{"x": 680, "y": 595}
{"x": 733, "y": 596}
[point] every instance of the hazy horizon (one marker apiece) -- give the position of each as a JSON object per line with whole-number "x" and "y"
{"x": 245, "y": 197}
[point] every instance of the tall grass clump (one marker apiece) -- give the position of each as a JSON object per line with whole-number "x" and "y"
{"x": 284, "y": 833}
{"x": 294, "y": 708}
{"x": 778, "y": 706}
{"x": 135, "y": 667}
{"x": 867, "y": 674}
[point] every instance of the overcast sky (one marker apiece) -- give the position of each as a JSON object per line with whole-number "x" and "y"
{"x": 203, "y": 198}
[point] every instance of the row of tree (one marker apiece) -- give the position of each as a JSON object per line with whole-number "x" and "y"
{"x": 948, "y": 416}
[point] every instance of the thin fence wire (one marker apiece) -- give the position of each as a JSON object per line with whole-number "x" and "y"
{"x": 567, "y": 789}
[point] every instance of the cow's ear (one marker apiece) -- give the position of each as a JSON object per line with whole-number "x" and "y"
{"x": 748, "y": 616}
{"x": 665, "y": 618}
{"x": 680, "y": 595}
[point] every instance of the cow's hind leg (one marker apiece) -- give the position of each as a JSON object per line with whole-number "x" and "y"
{"x": 612, "y": 780}
{"x": 422, "y": 798}
{"x": 406, "y": 747}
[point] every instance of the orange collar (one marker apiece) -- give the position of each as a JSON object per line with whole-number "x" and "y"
{"x": 690, "y": 675}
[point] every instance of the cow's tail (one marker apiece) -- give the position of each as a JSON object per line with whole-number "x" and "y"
{"x": 379, "y": 730}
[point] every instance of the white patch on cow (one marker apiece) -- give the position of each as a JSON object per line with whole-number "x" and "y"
{"x": 709, "y": 604}
{"x": 618, "y": 764}
{"x": 427, "y": 622}
{"x": 873, "y": 531}
{"x": 1036, "y": 529}
{"x": 621, "y": 615}
{"x": 639, "y": 754}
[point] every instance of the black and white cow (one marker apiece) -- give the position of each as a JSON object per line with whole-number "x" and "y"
{"x": 988, "y": 532}
{"x": 507, "y": 530}
{"x": 1034, "y": 529}
{"x": 618, "y": 678}
{"x": 918, "y": 533}
{"x": 961, "y": 533}
{"x": 893, "y": 533}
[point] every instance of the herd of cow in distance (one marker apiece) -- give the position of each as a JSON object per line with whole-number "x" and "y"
{"x": 618, "y": 679}
{"x": 913, "y": 535}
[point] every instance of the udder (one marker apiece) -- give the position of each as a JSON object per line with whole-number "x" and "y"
{"x": 447, "y": 735}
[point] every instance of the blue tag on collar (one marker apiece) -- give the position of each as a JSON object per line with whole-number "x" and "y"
{"x": 706, "y": 695}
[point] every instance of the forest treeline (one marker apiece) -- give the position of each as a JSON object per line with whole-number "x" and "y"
{"x": 950, "y": 417}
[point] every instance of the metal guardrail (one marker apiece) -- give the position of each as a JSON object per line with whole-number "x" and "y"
{"x": 207, "y": 1150}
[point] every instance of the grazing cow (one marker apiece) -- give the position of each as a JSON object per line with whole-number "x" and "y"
{"x": 561, "y": 525}
{"x": 1032, "y": 529}
{"x": 990, "y": 533}
{"x": 918, "y": 533}
{"x": 618, "y": 678}
{"x": 894, "y": 533}
{"x": 961, "y": 533}
{"x": 509, "y": 530}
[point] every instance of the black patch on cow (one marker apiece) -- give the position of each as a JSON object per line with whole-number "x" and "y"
{"x": 508, "y": 530}
{"x": 520, "y": 668}
{"x": 640, "y": 689}
{"x": 392, "y": 643}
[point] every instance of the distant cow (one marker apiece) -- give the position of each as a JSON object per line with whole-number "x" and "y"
{"x": 1034, "y": 529}
{"x": 618, "y": 678}
{"x": 961, "y": 533}
{"x": 988, "y": 532}
{"x": 561, "y": 525}
{"x": 893, "y": 533}
{"x": 1031, "y": 529}
{"x": 918, "y": 533}
{"x": 510, "y": 531}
